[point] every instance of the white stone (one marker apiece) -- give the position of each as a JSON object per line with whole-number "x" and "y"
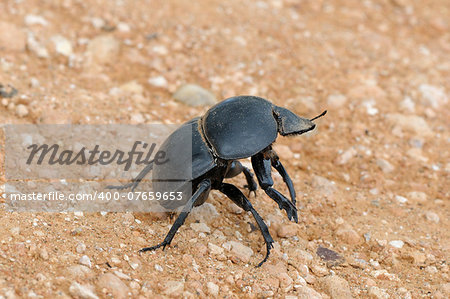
{"x": 98, "y": 22}
{"x": 21, "y": 110}
{"x": 408, "y": 104}
{"x": 36, "y": 47}
{"x": 62, "y": 45}
{"x": 401, "y": 199}
{"x": 213, "y": 289}
{"x": 31, "y": 20}
{"x": 397, "y": 243}
{"x": 137, "y": 118}
{"x": 34, "y": 82}
{"x": 85, "y": 260}
{"x": 346, "y": 156}
{"x": 123, "y": 27}
{"x": 158, "y": 81}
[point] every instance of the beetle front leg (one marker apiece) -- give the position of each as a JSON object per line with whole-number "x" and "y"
{"x": 262, "y": 168}
{"x": 282, "y": 171}
{"x": 239, "y": 199}
{"x": 203, "y": 187}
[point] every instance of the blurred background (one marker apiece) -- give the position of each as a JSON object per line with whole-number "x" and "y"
{"x": 372, "y": 179}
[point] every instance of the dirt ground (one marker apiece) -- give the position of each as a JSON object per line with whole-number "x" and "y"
{"x": 372, "y": 180}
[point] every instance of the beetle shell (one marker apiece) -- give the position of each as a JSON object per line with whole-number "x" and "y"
{"x": 240, "y": 127}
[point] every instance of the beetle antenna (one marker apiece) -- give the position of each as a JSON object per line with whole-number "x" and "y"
{"x": 318, "y": 116}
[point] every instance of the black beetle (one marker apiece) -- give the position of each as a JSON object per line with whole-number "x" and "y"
{"x": 236, "y": 128}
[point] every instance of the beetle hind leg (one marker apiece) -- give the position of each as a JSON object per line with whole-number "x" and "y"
{"x": 203, "y": 188}
{"x": 233, "y": 193}
{"x": 135, "y": 182}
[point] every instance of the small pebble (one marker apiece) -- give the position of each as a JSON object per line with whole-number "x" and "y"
{"x": 214, "y": 249}
{"x": 44, "y": 254}
{"x": 337, "y": 287}
{"x": 417, "y": 196}
{"x": 200, "y": 227}
{"x": 122, "y": 275}
{"x": 158, "y": 81}
{"x": 31, "y": 20}
{"x": 34, "y": 82}
{"x": 174, "y": 288}
{"x": 397, "y": 243}
{"x": 62, "y": 45}
{"x": 21, "y": 110}
{"x": 85, "y": 260}
{"x": 385, "y": 166}
{"x": 81, "y": 248}
{"x": 116, "y": 287}
{"x": 432, "y": 216}
{"x": 239, "y": 250}
{"x": 213, "y": 289}
{"x": 401, "y": 199}
{"x": 137, "y": 118}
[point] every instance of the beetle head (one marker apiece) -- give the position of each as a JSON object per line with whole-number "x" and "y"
{"x": 291, "y": 124}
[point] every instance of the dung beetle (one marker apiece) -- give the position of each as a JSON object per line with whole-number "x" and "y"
{"x": 236, "y": 128}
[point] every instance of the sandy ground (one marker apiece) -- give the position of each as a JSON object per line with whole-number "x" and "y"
{"x": 372, "y": 181}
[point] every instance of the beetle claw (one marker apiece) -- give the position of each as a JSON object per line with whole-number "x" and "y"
{"x": 269, "y": 246}
{"x": 163, "y": 245}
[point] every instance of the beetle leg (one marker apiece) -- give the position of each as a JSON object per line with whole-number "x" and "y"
{"x": 235, "y": 169}
{"x": 239, "y": 198}
{"x": 135, "y": 182}
{"x": 282, "y": 171}
{"x": 262, "y": 167}
{"x": 203, "y": 187}
{"x": 251, "y": 184}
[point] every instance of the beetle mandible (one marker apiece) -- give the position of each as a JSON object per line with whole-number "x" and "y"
{"x": 236, "y": 128}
